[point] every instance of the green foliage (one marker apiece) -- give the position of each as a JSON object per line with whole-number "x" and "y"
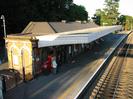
{"x": 76, "y": 12}
{"x": 111, "y": 11}
{"x": 108, "y": 15}
{"x": 126, "y": 21}
{"x": 19, "y": 13}
{"x": 99, "y": 17}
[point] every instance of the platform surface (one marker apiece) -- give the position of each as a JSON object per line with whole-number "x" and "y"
{"x": 71, "y": 77}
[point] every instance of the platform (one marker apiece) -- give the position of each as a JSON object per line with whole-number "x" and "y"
{"x": 71, "y": 78}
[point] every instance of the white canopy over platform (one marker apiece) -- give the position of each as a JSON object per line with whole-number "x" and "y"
{"x": 76, "y": 37}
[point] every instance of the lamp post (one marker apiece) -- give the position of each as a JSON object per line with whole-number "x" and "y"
{"x": 3, "y": 18}
{"x": 4, "y": 26}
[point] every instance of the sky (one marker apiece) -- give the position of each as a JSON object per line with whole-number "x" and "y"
{"x": 125, "y": 6}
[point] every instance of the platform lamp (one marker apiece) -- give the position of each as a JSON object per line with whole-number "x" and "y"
{"x": 2, "y": 76}
{"x": 4, "y": 26}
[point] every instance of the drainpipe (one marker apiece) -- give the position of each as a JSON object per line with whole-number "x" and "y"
{"x": 33, "y": 63}
{"x": 12, "y": 60}
{"x": 23, "y": 67}
{"x": 34, "y": 46}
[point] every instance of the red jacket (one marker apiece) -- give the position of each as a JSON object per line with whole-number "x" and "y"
{"x": 49, "y": 63}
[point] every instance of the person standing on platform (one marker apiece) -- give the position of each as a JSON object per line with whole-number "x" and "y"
{"x": 49, "y": 63}
{"x": 54, "y": 65}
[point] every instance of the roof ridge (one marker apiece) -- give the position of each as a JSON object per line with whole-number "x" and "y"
{"x": 28, "y": 26}
{"x": 52, "y": 27}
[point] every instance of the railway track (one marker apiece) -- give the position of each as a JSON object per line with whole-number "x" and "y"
{"x": 111, "y": 83}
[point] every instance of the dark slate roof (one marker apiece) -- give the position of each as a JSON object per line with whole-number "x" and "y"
{"x": 44, "y": 28}
{"x": 70, "y": 26}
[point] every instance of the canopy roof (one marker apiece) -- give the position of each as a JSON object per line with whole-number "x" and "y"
{"x": 76, "y": 36}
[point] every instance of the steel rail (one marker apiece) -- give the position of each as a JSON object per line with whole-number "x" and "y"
{"x": 107, "y": 73}
{"x": 109, "y": 70}
{"x": 117, "y": 84}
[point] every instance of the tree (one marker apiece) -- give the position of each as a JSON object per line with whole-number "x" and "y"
{"x": 99, "y": 17}
{"x": 19, "y": 13}
{"x": 111, "y": 11}
{"x": 76, "y": 12}
{"x": 126, "y": 21}
{"x": 109, "y": 15}
{"x": 122, "y": 20}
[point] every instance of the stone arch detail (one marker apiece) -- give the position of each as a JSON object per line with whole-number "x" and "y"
{"x": 26, "y": 48}
{"x": 14, "y": 46}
